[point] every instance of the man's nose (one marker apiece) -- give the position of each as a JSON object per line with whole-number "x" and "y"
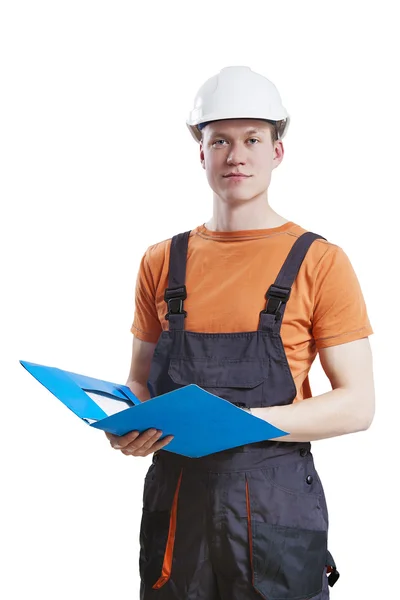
{"x": 237, "y": 155}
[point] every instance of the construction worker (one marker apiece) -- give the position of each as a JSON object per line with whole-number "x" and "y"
{"x": 240, "y": 306}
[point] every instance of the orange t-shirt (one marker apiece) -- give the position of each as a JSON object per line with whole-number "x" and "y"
{"x": 227, "y": 276}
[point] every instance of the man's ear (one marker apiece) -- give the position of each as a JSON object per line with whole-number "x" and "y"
{"x": 202, "y": 160}
{"x": 279, "y": 153}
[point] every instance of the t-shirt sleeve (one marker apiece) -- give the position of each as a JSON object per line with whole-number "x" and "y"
{"x": 146, "y": 325}
{"x": 340, "y": 313}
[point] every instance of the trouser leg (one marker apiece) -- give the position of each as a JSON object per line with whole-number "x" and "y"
{"x": 174, "y": 558}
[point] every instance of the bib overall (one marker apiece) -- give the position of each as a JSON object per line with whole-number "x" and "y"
{"x": 247, "y": 522}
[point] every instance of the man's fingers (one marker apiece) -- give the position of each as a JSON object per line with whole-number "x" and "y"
{"x": 142, "y": 445}
{"x": 149, "y": 443}
{"x": 150, "y": 446}
{"x": 123, "y": 441}
{"x": 158, "y": 445}
{"x": 162, "y": 443}
{"x": 146, "y": 451}
{"x": 120, "y": 441}
{"x": 135, "y": 444}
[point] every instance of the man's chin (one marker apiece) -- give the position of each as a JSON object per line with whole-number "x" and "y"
{"x": 237, "y": 198}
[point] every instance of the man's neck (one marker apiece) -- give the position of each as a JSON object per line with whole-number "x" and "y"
{"x": 234, "y": 222}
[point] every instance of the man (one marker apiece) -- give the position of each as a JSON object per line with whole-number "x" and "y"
{"x": 241, "y": 306}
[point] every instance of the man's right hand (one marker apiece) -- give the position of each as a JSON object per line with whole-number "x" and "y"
{"x": 135, "y": 444}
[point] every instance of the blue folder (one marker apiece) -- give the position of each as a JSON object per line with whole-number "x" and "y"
{"x": 200, "y": 422}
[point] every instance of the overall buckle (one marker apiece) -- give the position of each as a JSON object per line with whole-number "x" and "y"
{"x": 174, "y": 298}
{"x": 276, "y": 296}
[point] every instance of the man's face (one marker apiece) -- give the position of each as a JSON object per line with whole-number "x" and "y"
{"x": 239, "y": 146}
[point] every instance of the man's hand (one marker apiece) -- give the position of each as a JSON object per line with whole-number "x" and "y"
{"x": 135, "y": 444}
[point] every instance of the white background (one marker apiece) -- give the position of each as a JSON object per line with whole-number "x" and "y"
{"x": 96, "y": 165}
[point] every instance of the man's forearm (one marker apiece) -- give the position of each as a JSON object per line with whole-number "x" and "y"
{"x": 335, "y": 413}
{"x": 140, "y": 390}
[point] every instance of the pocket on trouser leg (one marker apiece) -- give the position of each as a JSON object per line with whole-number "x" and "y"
{"x": 287, "y": 563}
{"x": 157, "y": 538}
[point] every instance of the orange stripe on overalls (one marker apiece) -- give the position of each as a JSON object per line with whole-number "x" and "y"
{"x": 167, "y": 564}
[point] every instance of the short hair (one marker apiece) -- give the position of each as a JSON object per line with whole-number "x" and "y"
{"x": 277, "y": 130}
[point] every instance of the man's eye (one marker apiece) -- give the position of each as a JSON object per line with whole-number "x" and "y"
{"x": 221, "y": 141}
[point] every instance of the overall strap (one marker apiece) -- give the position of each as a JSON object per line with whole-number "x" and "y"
{"x": 175, "y": 293}
{"x": 279, "y": 292}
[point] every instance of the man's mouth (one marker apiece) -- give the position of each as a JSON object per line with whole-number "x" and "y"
{"x": 237, "y": 175}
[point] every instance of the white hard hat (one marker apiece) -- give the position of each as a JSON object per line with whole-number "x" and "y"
{"x": 237, "y": 93}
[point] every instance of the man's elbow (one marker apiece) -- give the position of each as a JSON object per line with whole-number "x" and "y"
{"x": 367, "y": 402}
{"x": 368, "y": 421}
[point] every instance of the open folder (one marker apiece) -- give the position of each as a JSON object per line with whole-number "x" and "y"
{"x": 200, "y": 422}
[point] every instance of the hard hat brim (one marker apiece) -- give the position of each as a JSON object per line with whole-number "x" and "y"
{"x": 197, "y": 134}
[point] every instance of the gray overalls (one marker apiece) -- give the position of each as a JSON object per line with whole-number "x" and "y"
{"x": 251, "y": 521}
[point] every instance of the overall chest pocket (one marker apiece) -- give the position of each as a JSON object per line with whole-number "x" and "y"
{"x": 216, "y": 373}
{"x": 238, "y": 381}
